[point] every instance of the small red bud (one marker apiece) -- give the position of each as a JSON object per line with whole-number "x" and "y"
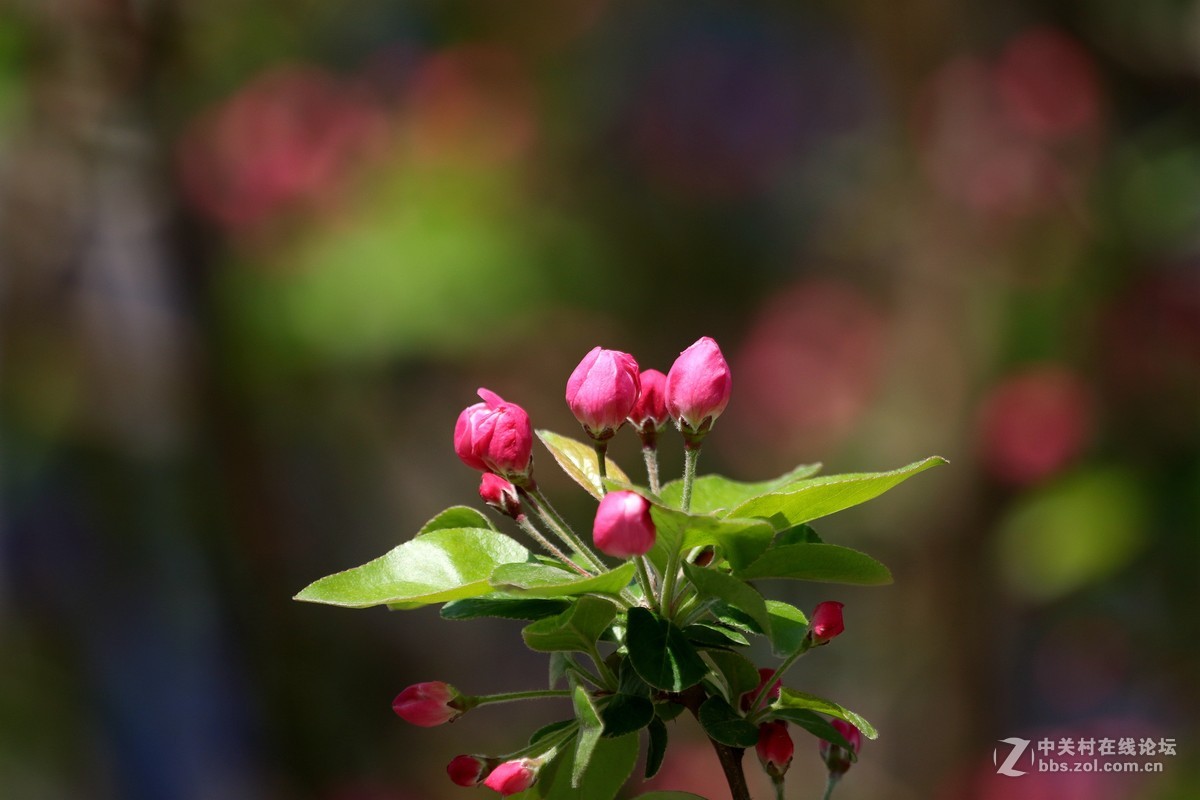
{"x": 836, "y": 758}
{"x": 467, "y": 770}
{"x": 512, "y": 777}
{"x": 500, "y": 495}
{"x": 698, "y": 387}
{"x": 429, "y": 704}
{"x": 826, "y": 622}
{"x": 496, "y": 436}
{"x": 602, "y": 391}
{"x": 650, "y": 412}
{"x": 623, "y": 526}
{"x": 775, "y": 747}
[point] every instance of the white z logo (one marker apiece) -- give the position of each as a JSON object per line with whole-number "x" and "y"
{"x": 1018, "y": 749}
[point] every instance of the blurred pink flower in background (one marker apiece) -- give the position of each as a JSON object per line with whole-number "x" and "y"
{"x": 473, "y": 102}
{"x": 985, "y": 128}
{"x": 1033, "y": 423}
{"x": 808, "y": 365}
{"x": 289, "y": 137}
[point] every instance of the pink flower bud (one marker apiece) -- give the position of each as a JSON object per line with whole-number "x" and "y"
{"x": 826, "y": 622}
{"x": 495, "y": 436}
{"x": 764, "y": 675}
{"x": 836, "y": 758}
{"x": 429, "y": 704}
{"x": 603, "y": 390}
{"x": 512, "y": 777}
{"x": 623, "y": 526}
{"x": 500, "y": 495}
{"x": 467, "y": 770}
{"x": 650, "y": 411}
{"x": 774, "y": 747}
{"x": 698, "y": 386}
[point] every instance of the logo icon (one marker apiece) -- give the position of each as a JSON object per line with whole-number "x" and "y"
{"x": 1018, "y": 749}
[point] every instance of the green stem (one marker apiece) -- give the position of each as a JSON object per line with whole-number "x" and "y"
{"x": 512, "y": 697}
{"x": 610, "y": 680}
{"x": 690, "y": 456}
{"x": 536, "y": 535}
{"x": 779, "y": 794}
{"x": 645, "y": 580}
{"x": 755, "y": 711}
{"x": 670, "y": 575}
{"x": 560, "y": 527}
{"x": 547, "y": 745}
{"x": 650, "y": 456}
{"x": 601, "y": 448}
{"x": 830, "y": 782}
{"x": 584, "y": 673}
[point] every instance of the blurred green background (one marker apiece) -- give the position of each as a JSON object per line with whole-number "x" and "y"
{"x": 256, "y": 257}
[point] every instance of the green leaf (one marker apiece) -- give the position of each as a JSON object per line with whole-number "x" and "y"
{"x": 503, "y": 608}
{"x": 790, "y": 698}
{"x": 442, "y": 565}
{"x": 741, "y": 540}
{"x": 725, "y": 725}
{"x": 542, "y": 580}
{"x": 577, "y": 628}
{"x": 590, "y": 729}
{"x": 742, "y": 596}
{"x": 660, "y": 652}
{"x": 829, "y": 563}
{"x": 815, "y": 724}
{"x": 789, "y": 626}
{"x": 578, "y": 460}
{"x": 703, "y": 635}
{"x": 626, "y": 713}
{"x": 553, "y": 727}
{"x": 656, "y": 748}
{"x": 819, "y": 497}
{"x": 738, "y": 672}
{"x": 611, "y": 763}
{"x": 456, "y": 517}
{"x": 801, "y": 534}
{"x": 668, "y": 711}
{"x": 712, "y": 493}
{"x": 738, "y": 620}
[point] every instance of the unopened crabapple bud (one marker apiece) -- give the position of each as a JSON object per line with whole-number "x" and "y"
{"x": 512, "y": 777}
{"x": 500, "y": 495}
{"x": 467, "y": 770}
{"x": 826, "y": 622}
{"x": 623, "y": 526}
{"x": 496, "y": 436}
{"x": 698, "y": 387}
{"x": 650, "y": 411}
{"x": 836, "y": 759}
{"x": 774, "y": 748}
{"x": 602, "y": 391}
{"x": 430, "y": 703}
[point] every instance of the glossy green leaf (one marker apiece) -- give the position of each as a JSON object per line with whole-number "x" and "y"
{"x": 741, "y": 540}
{"x": 703, "y": 635}
{"x": 442, "y": 565}
{"x": 725, "y": 725}
{"x": 737, "y": 672}
{"x": 818, "y": 497}
{"x": 456, "y": 517}
{"x": 801, "y": 534}
{"x": 612, "y": 762}
{"x": 738, "y": 620}
{"x": 716, "y": 584}
{"x": 503, "y": 608}
{"x": 660, "y": 652}
{"x": 590, "y": 729}
{"x": 543, "y": 580}
{"x": 817, "y": 725}
{"x": 656, "y": 747}
{"x": 578, "y": 460}
{"x": 790, "y": 698}
{"x": 626, "y": 713}
{"x": 576, "y": 629}
{"x": 713, "y": 493}
{"x": 827, "y": 563}
{"x": 789, "y": 626}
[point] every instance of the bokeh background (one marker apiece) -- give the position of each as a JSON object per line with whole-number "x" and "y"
{"x": 256, "y": 257}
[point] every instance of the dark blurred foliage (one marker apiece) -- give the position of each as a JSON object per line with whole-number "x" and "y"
{"x": 257, "y": 256}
